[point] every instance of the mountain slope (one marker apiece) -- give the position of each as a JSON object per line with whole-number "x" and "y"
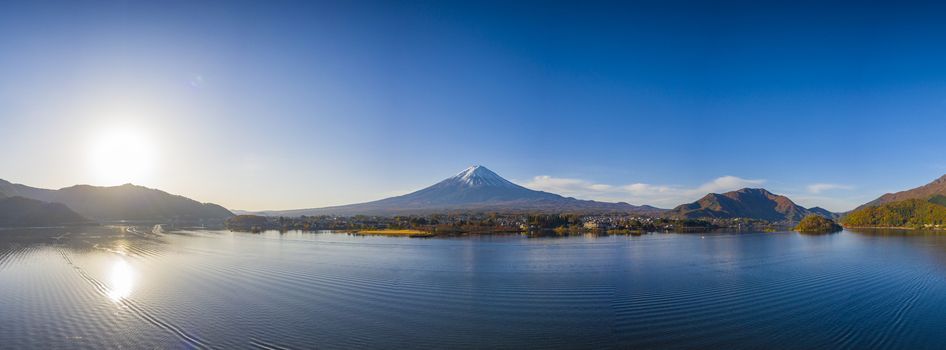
{"x": 126, "y": 202}
{"x": 937, "y": 187}
{"x": 24, "y": 212}
{"x": 474, "y": 189}
{"x": 825, "y": 213}
{"x": 752, "y": 203}
{"x": 911, "y": 212}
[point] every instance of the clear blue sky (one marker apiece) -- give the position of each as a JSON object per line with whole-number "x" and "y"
{"x": 274, "y": 105}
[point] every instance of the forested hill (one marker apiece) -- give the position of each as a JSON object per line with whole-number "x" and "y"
{"x": 24, "y": 212}
{"x": 914, "y": 213}
{"x": 751, "y": 203}
{"x": 125, "y": 202}
{"x": 926, "y": 192}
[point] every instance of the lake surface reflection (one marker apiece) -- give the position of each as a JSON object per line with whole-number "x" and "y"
{"x": 109, "y": 287}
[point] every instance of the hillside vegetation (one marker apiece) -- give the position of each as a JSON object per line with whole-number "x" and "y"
{"x": 930, "y": 191}
{"x": 817, "y": 224}
{"x": 915, "y": 213}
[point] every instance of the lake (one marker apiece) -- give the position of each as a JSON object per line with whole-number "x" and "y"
{"x": 108, "y": 287}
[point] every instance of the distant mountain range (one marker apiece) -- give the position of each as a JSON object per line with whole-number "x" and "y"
{"x": 474, "y": 189}
{"x": 753, "y": 203}
{"x": 116, "y": 203}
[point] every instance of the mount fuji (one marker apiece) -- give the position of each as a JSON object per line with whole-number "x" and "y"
{"x": 476, "y": 189}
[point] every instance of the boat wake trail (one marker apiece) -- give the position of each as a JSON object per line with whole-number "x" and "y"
{"x": 136, "y": 309}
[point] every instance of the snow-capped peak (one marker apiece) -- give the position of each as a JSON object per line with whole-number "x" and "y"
{"x": 479, "y": 175}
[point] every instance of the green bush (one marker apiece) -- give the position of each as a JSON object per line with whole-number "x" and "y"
{"x": 817, "y": 224}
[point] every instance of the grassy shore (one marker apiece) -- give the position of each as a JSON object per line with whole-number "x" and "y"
{"x": 396, "y": 232}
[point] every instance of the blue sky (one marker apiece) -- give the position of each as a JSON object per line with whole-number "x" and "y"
{"x": 275, "y": 105}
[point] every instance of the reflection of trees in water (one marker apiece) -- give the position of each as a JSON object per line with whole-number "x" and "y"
{"x": 896, "y": 232}
{"x": 804, "y": 233}
{"x": 931, "y": 241}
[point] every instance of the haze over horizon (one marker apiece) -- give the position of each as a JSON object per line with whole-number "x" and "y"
{"x": 264, "y": 106}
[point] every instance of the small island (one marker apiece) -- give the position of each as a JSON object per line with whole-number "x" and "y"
{"x": 817, "y": 224}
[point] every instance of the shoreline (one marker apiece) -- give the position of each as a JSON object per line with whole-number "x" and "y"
{"x": 393, "y": 232}
{"x": 896, "y": 228}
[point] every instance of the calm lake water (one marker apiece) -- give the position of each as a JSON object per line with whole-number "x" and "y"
{"x": 106, "y": 288}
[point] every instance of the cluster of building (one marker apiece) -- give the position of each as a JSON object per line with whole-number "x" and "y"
{"x": 606, "y": 222}
{"x": 478, "y": 223}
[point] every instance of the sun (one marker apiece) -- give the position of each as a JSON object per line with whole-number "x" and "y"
{"x": 121, "y": 155}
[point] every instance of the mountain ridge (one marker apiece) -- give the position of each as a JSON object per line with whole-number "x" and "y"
{"x": 934, "y": 188}
{"x": 16, "y": 211}
{"x": 125, "y": 202}
{"x": 752, "y": 203}
{"x": 474, "y": 189}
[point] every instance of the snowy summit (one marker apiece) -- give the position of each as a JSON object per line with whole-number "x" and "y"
{"x": 479, "y": 175}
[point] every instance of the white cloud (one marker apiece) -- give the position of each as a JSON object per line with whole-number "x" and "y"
{"x": 728, "y": 183}
{"x": 835, "y": 204}
{"x": 566, "y": 186}
{"x": 821, "y": 187}
{"x": 666, "y": 196}
{"x": 669, "y": 196}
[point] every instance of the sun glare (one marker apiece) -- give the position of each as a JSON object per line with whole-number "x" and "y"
{"x": 121, "y": 155}
{"x": 121, "y": 280}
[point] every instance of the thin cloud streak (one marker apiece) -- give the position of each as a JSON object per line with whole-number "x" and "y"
{"x": 817, "y": 188}
{"x": 665, "y": 196}
{"x": 835, "y": 204}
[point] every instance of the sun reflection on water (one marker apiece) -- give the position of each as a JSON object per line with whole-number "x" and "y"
{"x": 121, "y": 280}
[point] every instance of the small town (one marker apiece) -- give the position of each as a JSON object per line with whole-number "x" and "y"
{"x": 489, "y": 223}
